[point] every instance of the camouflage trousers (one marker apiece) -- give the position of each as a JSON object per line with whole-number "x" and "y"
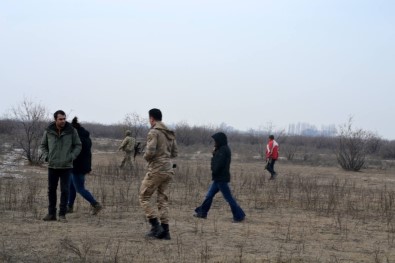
{"x": 127, "y": 160}
{"x": 158, "y": 182}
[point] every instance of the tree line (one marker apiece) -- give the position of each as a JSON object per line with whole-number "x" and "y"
{"x": 27, "y": 121}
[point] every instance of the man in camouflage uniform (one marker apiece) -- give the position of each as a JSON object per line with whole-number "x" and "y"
{"x": 127, "y": 146}
{"x": 161, "y": 147}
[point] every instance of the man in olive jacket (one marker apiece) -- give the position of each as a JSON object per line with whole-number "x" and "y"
{"x": 60, "y": 145}
{"x": 161, "y": 148}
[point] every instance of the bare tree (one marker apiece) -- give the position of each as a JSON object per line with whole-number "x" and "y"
{"x": 136, "y": 124}
{"x": 353, "y": 146}
{"x": 30, "y": 121}
{"x": 289, "y": 151}
{"x": 374, "y": 144}
{"x": 387, "y": 151}
{"x": 184, "y": 133}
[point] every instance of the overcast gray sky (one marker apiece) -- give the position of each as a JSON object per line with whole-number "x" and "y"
{"x": 245, "y": 63}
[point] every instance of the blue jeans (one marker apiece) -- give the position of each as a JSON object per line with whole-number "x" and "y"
{"x": 77, "y": 185}
{"x": 215, "y": 187}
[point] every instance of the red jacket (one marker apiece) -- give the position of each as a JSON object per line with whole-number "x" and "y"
{"x": 272, "y": 150}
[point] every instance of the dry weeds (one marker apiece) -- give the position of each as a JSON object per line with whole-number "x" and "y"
{"x": 309, "y": 214}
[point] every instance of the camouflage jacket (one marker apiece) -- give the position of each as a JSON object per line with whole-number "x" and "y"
{"x": 161, "y": 147}
{"x": 127, "y": 144}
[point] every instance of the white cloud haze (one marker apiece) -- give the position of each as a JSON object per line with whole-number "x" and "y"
{"x": 244, "y": 63}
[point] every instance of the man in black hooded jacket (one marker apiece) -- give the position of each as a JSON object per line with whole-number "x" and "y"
{"x": 220, "y": 166}
{"x": 82, "y": 166}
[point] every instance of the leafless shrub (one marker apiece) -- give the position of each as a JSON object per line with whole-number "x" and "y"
{"x": 353, "y": 147}
{"x": 31, "y": 119}
{"x": 374, "y": 144}
{"x": 9, "y": 192}
{"x": 81, "y": 250}
{"x": 136, "y": 124}
{"x": 387, "y": 150}
{"x": 183, "y": 131}
{"x": 31, "y": 192}
{"x": 342, "y": 223}
{"x": 288, "y": 234}
{"x": 376, "y": 254}
{"x": 309, "y": 193}
{"x": 289, "y": 151}
{"x": 205, "y": 253}
{"x": 290, "y": 145}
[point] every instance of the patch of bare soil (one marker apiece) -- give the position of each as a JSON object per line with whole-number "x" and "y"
{"x": 308, "y": 214}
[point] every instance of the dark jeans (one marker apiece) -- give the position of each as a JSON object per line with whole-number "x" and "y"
{"x": 53, "y": 178}
{"x": 270, "y": 167}
{"x": 215, "y": 187}
{"x": 77, "y": 185}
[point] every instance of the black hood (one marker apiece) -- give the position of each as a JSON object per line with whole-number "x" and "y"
{"x": 220, "y": 138}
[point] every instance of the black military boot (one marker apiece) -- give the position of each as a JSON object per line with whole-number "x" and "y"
{"x": 156, "y": 229}
{"x": 166, "y": 233}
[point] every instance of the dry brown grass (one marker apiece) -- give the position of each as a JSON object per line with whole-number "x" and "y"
{"x": 309, "y": 214}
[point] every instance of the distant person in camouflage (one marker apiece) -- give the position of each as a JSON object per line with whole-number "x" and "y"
{"x": 161, "y": 148}
{"x": 127, "y": 146}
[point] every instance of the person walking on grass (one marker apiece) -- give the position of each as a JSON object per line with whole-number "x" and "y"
{"x": 220, "y": 174}
{"x": 127, "y": 146}
{"x": 271, "y": 156}
{"x": 82, "y": 165}
{"x": 60, "y": 145}
{"x": 160, "y": 149}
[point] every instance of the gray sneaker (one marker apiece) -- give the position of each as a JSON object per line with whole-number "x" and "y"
{"x": 96, "y": 208}
{"x": 62, "y": 219}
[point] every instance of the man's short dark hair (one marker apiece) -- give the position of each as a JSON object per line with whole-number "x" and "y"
{"x": 156, "y": 114}
{"x": 55, "y": 115}
{"x": 271, "y": 137}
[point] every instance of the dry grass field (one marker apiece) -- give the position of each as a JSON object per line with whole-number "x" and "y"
{"x": 309, "y": 214}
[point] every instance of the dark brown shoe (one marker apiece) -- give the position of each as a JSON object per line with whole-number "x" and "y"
{"x": 50, "y": 217}
{"x": 199, "y": 216}
{"x": 96, "y": 208}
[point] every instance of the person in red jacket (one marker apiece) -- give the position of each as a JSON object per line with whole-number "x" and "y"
{"x": 271, "y": 156}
